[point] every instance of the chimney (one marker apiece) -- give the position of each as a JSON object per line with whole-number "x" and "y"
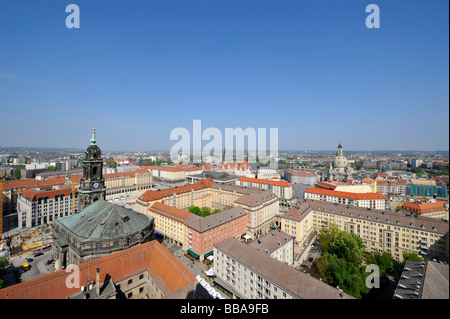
{"x": 97, "y": 282}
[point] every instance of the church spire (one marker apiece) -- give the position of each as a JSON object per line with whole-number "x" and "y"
{"x": 93, "y": 140}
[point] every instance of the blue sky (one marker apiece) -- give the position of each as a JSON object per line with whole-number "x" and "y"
{"x": 139, "y": 69}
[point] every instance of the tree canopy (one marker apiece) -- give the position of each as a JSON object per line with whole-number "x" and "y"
{"x": 341, "y": 263}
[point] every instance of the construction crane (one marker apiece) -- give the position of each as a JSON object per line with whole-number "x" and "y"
{"x": 1, "y": 209}
{"x": 74, "y": 193}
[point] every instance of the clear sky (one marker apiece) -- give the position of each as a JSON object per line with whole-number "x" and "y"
{"x": 139, "y": 69}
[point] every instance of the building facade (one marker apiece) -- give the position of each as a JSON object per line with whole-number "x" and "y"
{"x": 394, "y": 232}
{"x": 249, "y": 273}
{"x": 37, "y": 208}
{"x": 280, "y": 188}
{"x": 367, "y": 200}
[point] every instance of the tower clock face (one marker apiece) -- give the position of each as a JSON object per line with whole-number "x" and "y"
{"x": 95, "y": 185}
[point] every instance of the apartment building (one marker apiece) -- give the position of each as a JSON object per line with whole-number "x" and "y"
{"x": 267, "y": 173}
{"x": 181, "y": 197}
{"x": 117, "y": 183}
{"x": 278, "y": 244}
{"x": 280, "y": 188}
{"x": 203, "y": 233}
{"x": 170, "y": 221}
{"x": 391, "y": 187}
{"x": 305, "y": 177}
{"x": 298, "y": 222}
{"x": 367, "y": 200}
{"x": 394, "y": 232}
{"x": 36, "y": 208}
{"x": 198, "y": 234}
{"x": 249, "y": 273}
{"x": 173, "y": 173}
{"x": 262, "y": 206}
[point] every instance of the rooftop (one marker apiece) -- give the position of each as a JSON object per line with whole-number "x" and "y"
{"x": 103, "y": 220}
{"x": 359, "y": 196}
{"x": 287, "y": 278}
{"x": 162, "y": 266}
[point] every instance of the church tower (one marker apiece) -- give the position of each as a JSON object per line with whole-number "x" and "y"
{"x": 92, "y": 184}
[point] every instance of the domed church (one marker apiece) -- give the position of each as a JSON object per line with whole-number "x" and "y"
{"x": 100, "y": 227}
{"x": 339, "y": 168}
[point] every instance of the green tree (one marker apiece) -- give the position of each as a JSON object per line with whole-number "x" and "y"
{"x": 51, "y": 168}
{"x": 205, "y": 211}
{"x": 341, "y": 263}
{"x": 382, "y": 260}
{"x": 411, "y": 256}
{"x": 17, "y": 174}
{"x": 3, "y": 263}
{"x": 327, "y": 235}
{"x": 194, "y": 210}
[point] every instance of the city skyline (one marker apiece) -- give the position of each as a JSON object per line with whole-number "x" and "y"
{"x": 312, "y": 70}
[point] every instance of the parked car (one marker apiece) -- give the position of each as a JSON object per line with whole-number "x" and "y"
{"x": 29, "y": 259}
{"x": 25, "y": 267}
{"x": 38, "y": 254}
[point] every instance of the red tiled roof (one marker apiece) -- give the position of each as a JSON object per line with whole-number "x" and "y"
{"x": 178, "y": 168}
{"x": 170, "y": 212}
{"x": 152, "y": 256}
{"x": 328, "y": 192}
{"x": 325, "y": 185}
{"x": 152, "y": 195}
{"x": 424, "y": 208}
{"x": 34, "y": 195}
{"x": 264, "y": 181}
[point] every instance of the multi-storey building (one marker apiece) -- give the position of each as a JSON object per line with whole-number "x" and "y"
{"x": 278, "y": 244}
{"x": 170, "y": 221}
{"x": 262, "y": 206}
{"x": 390, "y": 231}
{"x": 203, "y": 233}
{"x": 36, "y": 208}
{"x": 280, "y": 188}
{"x": 250, "y": 273}
{"x": 173, "y": 173}
{"x": 367, "y": 200}
{"x": 196, "y": 234}
{"x": 427, "y": 188}
{"x": 391, "y": 186}
{"x": 305, "y": 177}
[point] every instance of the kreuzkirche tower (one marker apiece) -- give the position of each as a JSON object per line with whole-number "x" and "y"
{"x": 92, "y": 184}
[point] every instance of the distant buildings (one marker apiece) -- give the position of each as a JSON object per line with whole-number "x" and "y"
{"x": 305, "y": 177}
{"x": 173, "y": 173}
{"x": 430, "y": 188}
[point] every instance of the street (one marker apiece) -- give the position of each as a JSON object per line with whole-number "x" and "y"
{"x": 38, "y": 267}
